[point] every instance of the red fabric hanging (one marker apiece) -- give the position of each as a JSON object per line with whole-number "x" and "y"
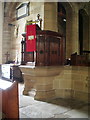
{"x": 31, "y": 38}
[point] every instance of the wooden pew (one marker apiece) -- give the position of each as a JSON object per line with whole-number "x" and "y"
{"x": 79, "y": 60}
{"x": 9, "y": 101}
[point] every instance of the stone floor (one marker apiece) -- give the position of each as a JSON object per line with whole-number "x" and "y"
{"x": 57, "y": 108}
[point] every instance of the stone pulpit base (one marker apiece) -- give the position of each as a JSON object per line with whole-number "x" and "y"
{"x": 40, "y": 79}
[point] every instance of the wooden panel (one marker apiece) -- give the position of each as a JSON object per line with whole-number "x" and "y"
{"x": 47, "y": 51}
{"x": 79, "y": 60}
{"x": 50, "y": 49}
{"x": 29, "y": 57}
{"x": 10, "y": 102}
{"x": 40, "y": 50}
{"x": 54, "y": 51}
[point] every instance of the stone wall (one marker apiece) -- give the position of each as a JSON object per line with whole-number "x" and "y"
{"x": 6, "y": 39}
{"x": 68, "y": 82}
{"x": 81, "y": 83}
{"x": 62, "y": 83}
{"x": 73, "y": 82}
{"x": 49, "y": 15}
{"x": 1, "y": 30}
{"x": 35, "y": 9}
{"x": 89, "y": 27}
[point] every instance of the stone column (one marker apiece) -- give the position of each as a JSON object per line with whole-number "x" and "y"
{"x": 6, "y": 39}
{"x": 68, "y": 33}
{"x": 72, "y": 31}
{"x": 75, "y": 31}
{"x": 1, "y": 30}
{"x": 50, "y": 16}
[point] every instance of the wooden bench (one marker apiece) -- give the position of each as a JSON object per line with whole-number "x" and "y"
{"x": 79, "y": 60}
{"x": 9, "y": 101}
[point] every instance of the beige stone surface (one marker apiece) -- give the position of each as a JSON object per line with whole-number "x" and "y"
{"x": 1, "y": 32}
{"x": 45, "y": 95}
{"x": 82, "y": 96}
{"x": 67, "y": 82}
{"x": 73, "y": 82}
{"x": 41, "y": 80}
{"x": 14, "y": 41}
{"x": 55, "y": 108}
{"x": 49, "y": 14}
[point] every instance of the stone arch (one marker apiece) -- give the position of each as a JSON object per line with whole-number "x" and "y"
{"x": 68, "y": 8}
{"x": 61, "y": 19}
{"x": 83, "y": 30}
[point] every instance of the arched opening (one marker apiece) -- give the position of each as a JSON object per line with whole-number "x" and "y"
{"x": 62, "y": 27}
{"x": 83, "y": 31}
{"x": 61, "y": 19}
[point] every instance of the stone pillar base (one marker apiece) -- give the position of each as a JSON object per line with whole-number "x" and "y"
{"x": 40, "y": 79}
{"x": 45, "y": 95}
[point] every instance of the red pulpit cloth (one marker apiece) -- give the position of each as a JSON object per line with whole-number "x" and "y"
{"x": 31, "y": 38}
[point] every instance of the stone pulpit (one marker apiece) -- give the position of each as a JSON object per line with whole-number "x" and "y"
{"x": 41, "y": 66}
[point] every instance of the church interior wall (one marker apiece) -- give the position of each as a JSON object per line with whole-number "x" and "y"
{"x": 62, "y": 28}
{"x": 73, "y": 82}
{"x": 6, "y": 38}
{"x": 68, "y": 31}
{"x": 86, "y": 33}
{"x": 89, "y": 26}
{"x": 48, "y": 13}
{"x": 86, "y": 29}
{"x": 75, "y": 31}
{"x": 84, "y": 25}
{"x": 35, "y": 9}
{"x": 1, "y": 31}
{"x": 72, "y": 40}
{"x": 50, "y": 16}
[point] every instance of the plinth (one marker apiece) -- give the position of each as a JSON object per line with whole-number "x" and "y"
{"x": 40, "y": 79}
